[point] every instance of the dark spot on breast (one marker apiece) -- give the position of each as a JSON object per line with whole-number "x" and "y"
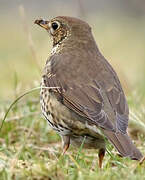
{"x": 53, "y": 115}
{"x": 44, "y": 81}
{"x": 48, "y": 112}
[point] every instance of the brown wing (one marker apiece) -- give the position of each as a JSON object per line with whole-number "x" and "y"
{"x": 102, "y": 105}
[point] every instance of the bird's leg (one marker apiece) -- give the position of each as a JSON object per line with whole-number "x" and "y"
{"x": 101, "y": 155}
{"x": 66, "y": 143}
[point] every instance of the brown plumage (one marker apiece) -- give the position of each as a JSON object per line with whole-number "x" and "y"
{"x": 85, "y": 99}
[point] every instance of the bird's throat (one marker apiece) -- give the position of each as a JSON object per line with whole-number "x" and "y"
{"x": 55, "y": 49}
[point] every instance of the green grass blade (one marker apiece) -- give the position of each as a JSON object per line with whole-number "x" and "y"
{"x": 20, "y": 97}
{"x": 14, "y": 102}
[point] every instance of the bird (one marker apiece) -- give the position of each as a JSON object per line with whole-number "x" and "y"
{"x": 81, "y": 95}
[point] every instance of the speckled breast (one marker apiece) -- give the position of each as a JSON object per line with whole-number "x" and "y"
{"x": 53, "y": 111}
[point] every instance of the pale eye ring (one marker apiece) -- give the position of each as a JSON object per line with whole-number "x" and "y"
{"x": 55, "y": 25}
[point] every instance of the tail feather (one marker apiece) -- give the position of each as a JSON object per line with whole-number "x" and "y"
{"x": 123, "y": 144}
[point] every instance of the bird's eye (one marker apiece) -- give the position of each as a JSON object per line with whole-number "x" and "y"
{"x": 55, "y": 25}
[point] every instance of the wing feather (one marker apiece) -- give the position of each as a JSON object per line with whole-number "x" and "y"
{"x": 100, "y": 101}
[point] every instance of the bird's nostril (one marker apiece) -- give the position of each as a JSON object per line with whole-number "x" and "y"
{"x": 42, "y": 21}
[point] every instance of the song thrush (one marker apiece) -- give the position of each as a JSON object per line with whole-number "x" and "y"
{"x": 81, "y": 95}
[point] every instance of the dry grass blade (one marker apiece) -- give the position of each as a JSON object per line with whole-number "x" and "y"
{"x": 21, "y": 117}
{"x": 74, "y": 161}
{"x": 29, "y": 36}
{"x": 81, "y": 10}
{"x": 142, "y": 161}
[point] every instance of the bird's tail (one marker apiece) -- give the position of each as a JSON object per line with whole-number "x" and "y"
{"x": 123, "y": 144}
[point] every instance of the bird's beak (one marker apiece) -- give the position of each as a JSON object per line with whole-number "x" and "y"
{"x": 42, "y": 23}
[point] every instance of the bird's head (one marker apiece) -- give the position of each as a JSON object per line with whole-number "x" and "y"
{"x": 63, "y": 27}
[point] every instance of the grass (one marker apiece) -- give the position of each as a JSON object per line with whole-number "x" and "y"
{"x": 29, "y": 149}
